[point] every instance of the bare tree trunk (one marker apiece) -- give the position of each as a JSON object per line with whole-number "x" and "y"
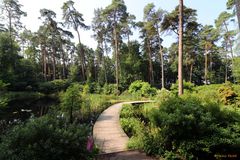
{"x": 97, "y": 68}
{"x": 10, "y": 25}
{"x": 43, "y": 50}
{"x": 161, "y": 57}
{"x": 105, "y": 71}
{"x": 151, "y": 77}
{"x": 116, "y": 56}
{"x": 191, "y": 72}
{"x": 206, "y": 66}
{"x": 226, "y": 70}
{"x": 229, "y": 42}
{"x": 64, "y": 68}
{"x": 82, "y": 56}
{"x": 180, "y": 49}
{"x": 54, "y": 62}
{"x": 226, "y": 65}
{"x": 49, "y": 71}
{"x": 162, "y": 65}
{"x": 64, "y": 63}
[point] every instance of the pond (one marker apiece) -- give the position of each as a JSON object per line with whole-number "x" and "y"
{"x": 20, "y": 110}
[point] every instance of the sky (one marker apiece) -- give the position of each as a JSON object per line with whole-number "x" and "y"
{"x": 207, "y": 10}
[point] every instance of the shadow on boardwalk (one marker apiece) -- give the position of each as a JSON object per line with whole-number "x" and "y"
{"x": 125, "y": 155}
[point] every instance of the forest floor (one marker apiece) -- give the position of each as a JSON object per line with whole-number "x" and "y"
{"x": 111, "y": 139}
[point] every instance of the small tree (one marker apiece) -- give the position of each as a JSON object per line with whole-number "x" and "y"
{"x": 71, "y": 100}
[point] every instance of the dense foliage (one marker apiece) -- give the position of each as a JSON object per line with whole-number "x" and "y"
{"x": 44, "y": 68}
{"x": 189, "y": 128}
{"x": 227, "y": 94}
{"x": 45, "y": 138}
{"x": 71, "y": 100}
{"x": 132, "y": 125}
{"x": 140, "y": 88}
{"x": 183, "y": 127}
{"x": 52, "y": 86}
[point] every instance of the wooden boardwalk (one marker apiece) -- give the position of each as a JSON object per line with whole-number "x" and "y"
{"x": 110, "y": 137}
{"x": 107, "y": 131}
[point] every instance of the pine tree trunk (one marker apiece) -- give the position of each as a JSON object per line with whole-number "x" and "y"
{"x": 10, "y": 26}
{"x": 81, "y": 54}
{"x": 226, "y": 65}
{"x": 49, "y": 72}
{"x": 116, "y": 57}
{"x": 105, "y": 71}
{"x": 162, "y": 66}
{"x": 226, "y": 72}
{"x": 44, "y": 63}
{"x": 151, "y": 78}
{"x": 161, "y": 57}
{"x": 64, "y": 64}
{"x": 206, "y": 66}
{"x": 191, "y": 72}
{"x": 180, "y": 49}
{"x": 54, "y": 62}
{"x": 230, "y": 43}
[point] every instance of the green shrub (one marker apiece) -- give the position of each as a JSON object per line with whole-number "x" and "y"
{"x": 131, "y": 111}
{"x": 188, "y": 86}
{"x": 134, "y": 128}
{"x": 141, "y": 88}
{"x": 206, "y": 93}
{"x": 53, "y": 86}
{"x": 94, "y": 88}
{"x": 236, "y": 88}
{"x": 92, "y": 105}
{"x": 163, "y": 95}
{"x": 23, "y": 96}
{"x": 86, "y": 89}
{"x": 3, "y": 99}
{"x": 188, "y": 127}
{"x": 147, "y": 109}
{"x": 60, "y": 84}
{"x": 45, "y": 138}
{"x": 132, "y": 124}
{"x": 3, "y": 102}
{"x": 109, "y": 89}
{"x": 127, "y": 111}
{"x": 135, "y": 142}
{"x": 3, "y": 86}
{"x": 46, "y": 87}
{"x": 227, "y": 94}
{"x": 126, "y": 96}
{"x": 152, "y": 141}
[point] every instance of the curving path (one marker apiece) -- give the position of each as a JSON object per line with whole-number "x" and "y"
{"x": 107, "y": 131}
